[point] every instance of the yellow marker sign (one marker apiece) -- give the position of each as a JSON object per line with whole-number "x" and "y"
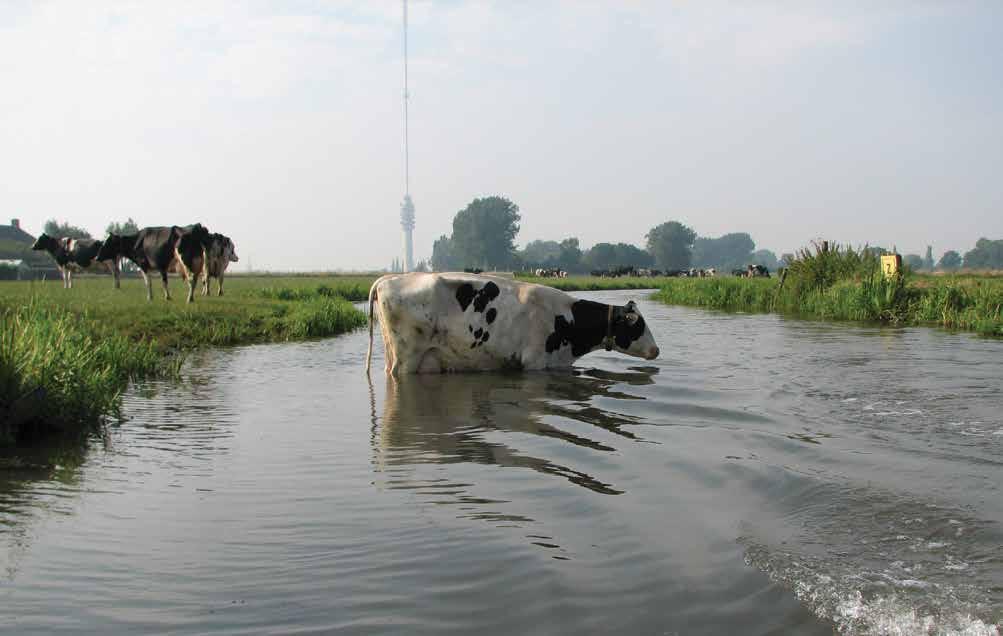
{"x": 891, "y": 264}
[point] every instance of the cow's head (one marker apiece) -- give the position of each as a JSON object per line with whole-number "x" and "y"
{"x": 45, "y": 242}
{"x": 631, "y": 335}
{"x": 229, "y": 250}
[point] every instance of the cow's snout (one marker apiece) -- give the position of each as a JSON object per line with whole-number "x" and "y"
{"x": 652, "y": 353}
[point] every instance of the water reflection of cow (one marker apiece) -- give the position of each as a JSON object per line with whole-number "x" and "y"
{"x": 448, "y": 419}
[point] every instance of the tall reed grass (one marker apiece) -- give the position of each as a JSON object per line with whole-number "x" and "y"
{"x": 837, "y": 282}
{"x": 55, "y": 372}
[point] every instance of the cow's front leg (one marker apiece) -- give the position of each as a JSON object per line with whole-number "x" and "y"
{"x": 113, "y": 266}
{"x": 205, "y": 285}
{"x": 193, "y": 282}
{"x": 62, "y": 274}
{"x": 149, "y": 285}
{"x": 220, "y": 291}
{"x": 167, "y": 290}
{"x": 69, "y": 279}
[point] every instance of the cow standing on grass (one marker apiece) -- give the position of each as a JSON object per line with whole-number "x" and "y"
{"x": 164, "y": 249}
{"x": 218, "y": 256}
{"x": 435, "y": 323}
{"x": 75, "y": 255}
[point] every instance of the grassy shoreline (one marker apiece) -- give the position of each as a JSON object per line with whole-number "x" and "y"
{"x": 66, "y": 356}
{"x": 967, "y": 303}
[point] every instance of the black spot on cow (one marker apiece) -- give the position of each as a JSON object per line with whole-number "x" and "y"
{"x": 465, "y": 295}
{"x": 480, "y": 337}
{"x": 485, "y": 296}
{"x": 561, "y": 335}
{"x": 589, "y": 325}
{"x": 470, "y": 328}
{"x": 491, "y": 315}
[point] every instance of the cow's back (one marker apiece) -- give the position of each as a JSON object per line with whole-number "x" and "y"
{"x": 468, "y": 322}
{"x": 156, "y": 246}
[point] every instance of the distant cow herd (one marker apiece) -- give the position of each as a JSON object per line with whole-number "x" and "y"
{"x": 191, "y": 251}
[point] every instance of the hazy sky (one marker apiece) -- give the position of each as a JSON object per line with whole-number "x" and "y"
{"x": 280, "y": 123}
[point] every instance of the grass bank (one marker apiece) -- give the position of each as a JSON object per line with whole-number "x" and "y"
{"x": 846, "y": 284}
{"x": 67, "y": 355}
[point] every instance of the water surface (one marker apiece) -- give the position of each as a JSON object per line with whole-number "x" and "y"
{"x": 764, "y": 476}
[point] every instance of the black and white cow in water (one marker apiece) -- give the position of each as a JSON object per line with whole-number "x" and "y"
{"x": 164, "y": 249}
{"x": 435, "y": 323}
{"x": 75, "y": 255}
{"x": 220, "y": 253}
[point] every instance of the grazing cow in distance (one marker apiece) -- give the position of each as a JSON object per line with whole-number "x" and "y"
{"x": 436, "y": 323}
{"x": 218, "y": 256}
{"x": 74, "y": 255}
{"x": 163, "y": 249}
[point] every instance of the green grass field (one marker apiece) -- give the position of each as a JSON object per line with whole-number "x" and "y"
{"x": 67, "y": 355}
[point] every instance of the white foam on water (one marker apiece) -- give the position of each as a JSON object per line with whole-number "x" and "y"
{"x": 873, "y": 603}
{"x": 888, "y": 615}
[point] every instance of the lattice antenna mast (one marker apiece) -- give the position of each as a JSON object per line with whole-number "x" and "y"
{"x": 407, "y": 174}
{"x": 407, "y": 207}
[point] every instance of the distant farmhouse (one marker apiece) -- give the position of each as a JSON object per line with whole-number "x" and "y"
{"x": 17, "y": 261}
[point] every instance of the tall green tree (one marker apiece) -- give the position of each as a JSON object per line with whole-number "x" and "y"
{"x": 600, "y": 256}
{"x": 950, "y": 261}
{"x": 442, "y": 255}
{"x": 986, "y": 255}
{"x": 914, "y": 261}
{"x": 726, "y": 253}
{"x": 766, "y": 258}
{"x": 671, "y": 243}
{"x": 60, "y": 230}
{"x": 484, "y": 233}
{"x": 570, "y": 259}
{"x": 129, "y": 227}
{"x": 541, "y": 254}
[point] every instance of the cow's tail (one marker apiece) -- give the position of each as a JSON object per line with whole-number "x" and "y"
{"x": 372, "y": 299}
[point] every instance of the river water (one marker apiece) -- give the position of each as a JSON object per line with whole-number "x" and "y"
{"x": 763, "y": 476}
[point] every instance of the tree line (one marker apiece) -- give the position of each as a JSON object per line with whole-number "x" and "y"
{"x": 484, "y": 233}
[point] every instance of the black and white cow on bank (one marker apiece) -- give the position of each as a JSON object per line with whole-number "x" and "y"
{"x": 76, "y": 255}
{"x": 164, "y": 249}
{"x": 435, "y": 323}
{"x": 218, "y": 256}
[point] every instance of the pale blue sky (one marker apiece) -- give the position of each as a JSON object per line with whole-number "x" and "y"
{"x": 280, "y": 123}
